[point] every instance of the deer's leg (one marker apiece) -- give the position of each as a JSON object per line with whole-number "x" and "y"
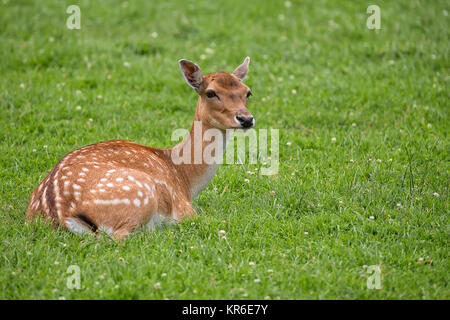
{"x": 78, "y": 226}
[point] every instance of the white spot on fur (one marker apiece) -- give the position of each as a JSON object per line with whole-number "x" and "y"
{"x": 137, "y": 202}
{"x": 112, "y": 202}
{"x": 126, "y": 188}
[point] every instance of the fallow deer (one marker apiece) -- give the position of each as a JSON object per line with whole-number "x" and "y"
{"x": 118, "y": 186}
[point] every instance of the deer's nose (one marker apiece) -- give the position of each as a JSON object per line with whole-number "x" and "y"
{"x": 245, "y": 122}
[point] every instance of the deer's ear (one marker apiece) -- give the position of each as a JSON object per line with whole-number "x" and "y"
{"x": 192, "y": 74}
{"x": 242, "y": 70}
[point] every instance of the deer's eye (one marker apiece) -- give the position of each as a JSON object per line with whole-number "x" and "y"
{"x": 211, "y": 94}
{"x": 249, "y": 94}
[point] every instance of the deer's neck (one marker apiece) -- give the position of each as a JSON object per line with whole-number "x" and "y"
{"x": 196, "y": 169}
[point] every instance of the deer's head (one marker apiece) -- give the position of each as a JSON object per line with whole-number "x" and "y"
{"x": 223, "y": 96}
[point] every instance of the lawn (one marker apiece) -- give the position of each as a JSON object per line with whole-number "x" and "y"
{"x": 364, "y": 151}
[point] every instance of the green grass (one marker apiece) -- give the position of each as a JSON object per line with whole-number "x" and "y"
{"x": 383, "y": 95}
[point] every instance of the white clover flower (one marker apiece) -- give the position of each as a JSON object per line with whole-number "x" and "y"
{"x": 257, "y": 280}
{"x": 436, "y": 195}
{"x": 247, "y": 180}
{"x": 78, "y": 107}
{"x": 126, "y": 64}
{"x": 251, "y": 263}
{"x": 22, "y": 86}
{"x": 333, "y": 139}
{"x": 372, "y": 218}
{"x": 154, "y": 35}
{"x": 288, "y": 143}
{"x": 294, "y": 92}
{"x": 157, "y": 286}
{"x": 222, "y": 233}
